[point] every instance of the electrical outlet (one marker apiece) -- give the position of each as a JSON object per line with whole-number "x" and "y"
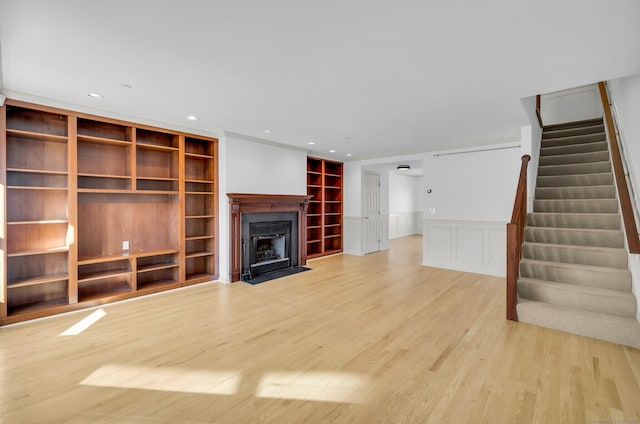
{"x": 125, "y": 245}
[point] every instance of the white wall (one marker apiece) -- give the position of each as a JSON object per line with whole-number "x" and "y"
{"x": 571, "y": 105}
{"x": 405, "y": 205}
{"x": 625, "y": 95}
{"x": 249, "y": 165}
{"x": 472, "y": 185}
{"x": 253, "y": 166}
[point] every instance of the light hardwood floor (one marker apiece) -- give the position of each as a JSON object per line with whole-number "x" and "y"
{"x": 373, "y": 339}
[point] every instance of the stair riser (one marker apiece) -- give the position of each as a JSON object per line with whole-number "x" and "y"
{"x": 610, "y": 279}
{"x": 626, "y": 332}
{"x": 574, "y": 180}
{"x": 573, "y": 169}
{"x": 592, "y": 192}
{"x": 574, "y": 124}
{"x": 576, "y": 206}
{"x": 588, "y": 157}
{"x": 614, "y": 258}
{"x": 578, "y": 139}
{"x": 573, "y": 131}
{"x": 574, "y": 149}
{"x": 609, "y": 238}
{"x": 565, "y": 295}
{"x": 566, "y": 220}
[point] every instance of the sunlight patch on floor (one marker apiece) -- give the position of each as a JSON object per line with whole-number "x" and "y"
{"x": 165, "y": 379}
{"x": 85, "y": 323}
{"x": 315, "y": 386}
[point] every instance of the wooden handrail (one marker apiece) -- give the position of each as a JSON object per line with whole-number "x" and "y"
{"x": 630, "y": 227}
{"x": 515, "y": 237}
{"x": 538, "y": 113}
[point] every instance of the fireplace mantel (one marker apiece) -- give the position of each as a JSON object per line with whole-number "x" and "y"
{"x": 240, "y": 203}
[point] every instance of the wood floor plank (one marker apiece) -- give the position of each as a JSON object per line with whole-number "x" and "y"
{"x": 372, "y": 339}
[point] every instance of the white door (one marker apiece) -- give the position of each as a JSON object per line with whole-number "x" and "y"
{"x": 371, "y": 211}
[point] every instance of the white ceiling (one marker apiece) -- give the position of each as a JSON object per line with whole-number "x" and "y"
{"x": 373, "y": 78}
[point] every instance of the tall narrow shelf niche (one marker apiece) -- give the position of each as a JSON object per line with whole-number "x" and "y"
{"x": 99, "y": 210}
{"x": 324, "y": 215}
{"x": 200, "y": 209}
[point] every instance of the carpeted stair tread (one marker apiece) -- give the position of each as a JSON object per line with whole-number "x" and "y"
{"x": 576, "y": 205}
{"x": 575, "y": 168}
{"x": 581, "y": 157}
{"x": 593, "y": 299}
{"x": 581, "y": 130}
{"x": 580, "y": 255}
{"x": 579, "y": 192}
{"x": 573, "y": 139}
{"x": 602, "y": 221}
{"x": 611, "y": 328}
{"x": 573, "y": 124}
{"x": 596, "y": 146}
{"x": 575, "y": 236}
{"x": 587, "y": 275}
{"x": 575, "y": 180}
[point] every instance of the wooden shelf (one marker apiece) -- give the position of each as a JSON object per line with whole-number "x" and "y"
{"x": 38, "y": 251}
{"x": 199, "y": 192}
{"x": 33, "y": 281}
{"x": 45, "y": 222}
{"x": 103, "y": 140}
{"x": 198, "y": 254}
{"x": 206, "y": 237}
{"x": 37, "y": 171}
{"x": 37, "y": 135}
{"x": 199, "y": 181}
{"x": 85, "y": 260}
{"x": 99, "y": 275}
{"x": 37, "y": 308}
{"x": 156, "y": 147}
{"x": 37, "y": 188}
{"x": 197, "y": 156}
{"x": 156, "y": 267}
{"x": 122, "y": 177}
{"x": 200, "y": 276}
{"x": 198, "y": 216}
{"x": 156, "y": 178}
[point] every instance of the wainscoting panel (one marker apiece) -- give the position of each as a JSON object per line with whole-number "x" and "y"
{"x": 469, "y": 246}
{"x": 353, "y": 235}
{"x": 403, "y": 224}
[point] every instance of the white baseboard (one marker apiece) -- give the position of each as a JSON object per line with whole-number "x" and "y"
{"x": 404, "y": 224}
{"x": 468, "y": 246}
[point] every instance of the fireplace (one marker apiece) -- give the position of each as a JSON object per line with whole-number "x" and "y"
{"x": 269, "y": 242}
{"x": 267, "y": 233}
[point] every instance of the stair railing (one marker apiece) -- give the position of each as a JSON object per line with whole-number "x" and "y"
{"x": 628, "y": 217}
{"x": 515, "y": 237}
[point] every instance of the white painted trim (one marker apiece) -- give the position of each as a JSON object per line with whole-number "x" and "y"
{"x": 470, "y": 246}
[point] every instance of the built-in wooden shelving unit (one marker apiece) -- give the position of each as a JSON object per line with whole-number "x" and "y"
{"x": 324, "y": 215}
{"x": 78, "y": 188}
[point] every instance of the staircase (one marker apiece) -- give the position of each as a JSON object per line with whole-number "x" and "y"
{"x": 574, "y": 274}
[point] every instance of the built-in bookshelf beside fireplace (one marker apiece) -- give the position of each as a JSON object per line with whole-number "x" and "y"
{"x": 324, "y": 217}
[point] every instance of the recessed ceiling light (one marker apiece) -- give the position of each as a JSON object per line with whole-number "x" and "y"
{"x": 311, "y": 143}
{"x": 347, "y": 138}
{"x": 95, "y": 95}
{"x": 332, "y": 151}
{"x": 403, "y": 167}
{"x": 192, "y": 118}
{"x": 267, "y": 131}
{"x": 349, "y": 154}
